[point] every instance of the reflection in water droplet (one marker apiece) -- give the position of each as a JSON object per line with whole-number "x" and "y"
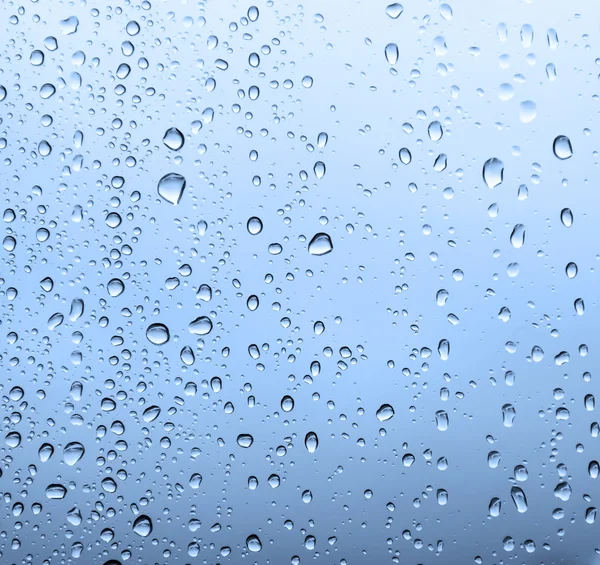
{"x": 320, "y": 244}
{"x": 171, "y": 187}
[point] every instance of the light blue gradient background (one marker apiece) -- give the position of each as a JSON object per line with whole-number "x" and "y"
{"x": 362, "y": 107}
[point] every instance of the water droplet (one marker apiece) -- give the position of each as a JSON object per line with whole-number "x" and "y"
{"x": 171, "y": 187}
{"x": 311, "y": 442}
{"x": 508, "y": 415}
{"x": 287, "y": 403}
{"x": 435, "y": 131}
{"x": 142, "y": 526}
{"x": 566, "y": 217}
{"x": 319, "y": 169}
{"x": 391, "y": 53}
{"x": 385, "y": 412}
{"x": 254, "y": 225}
{"x": 73, "y": 452}
{"x": 158, "y": 334}
{"x": 394, "y": 10}
{"x": 493, "y": 172}
{"x": 442, "y": 420}
{"x": 527, "y": 111}
{"x": 253, "y": 543}
{"x": 200, "y": 326}
{"x": 320, "y": 244}
{"x": 173, "y": 139}
{"x": 245, "y": 440}
{"x": 55, "y": 492}
{"x": 562, "y": 147}
{"x": 517, "y": 237}
{"x": 69, "y": 26}
{"x": 519, "y": 499}
{"x": 571, "y": 270}
{"x": 115, "y": 287}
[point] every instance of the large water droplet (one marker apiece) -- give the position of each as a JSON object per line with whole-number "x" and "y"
{"x": 493, "y": 172}
{"x": 311, "y": 442}
{"x": 385, "y": 412}
{"x": 171, "y": 187}
{"x": 245, "y": 440}
{"x": 517, "y": 237}
{"x": 391, "y": 53}
{"x": 562, "y": 147}
{"x": 73, "y": 452}
{"x": 320, "y": 244}
{"x": 55, "y": 492}
{"x": 173, "y": 139}
{"x": 519, "y": 499}
{"x": 142, "y": 526}
{"x": 158, "y": 334}
{"x": 253, "y": 543}
{"x": 200, "y": 326}
{"x": 394, "y": 10}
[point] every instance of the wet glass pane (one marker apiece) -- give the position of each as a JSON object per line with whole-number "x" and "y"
{"x": 288, "y": 283}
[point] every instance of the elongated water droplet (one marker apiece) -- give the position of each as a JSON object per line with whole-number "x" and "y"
{"x": 441, "y": 420}
{"x": 319, "y": 169}
{"x": 520, "y": 500}
{"x": 493, "y": 172}
{"x": 391, "y": 53}
{"x": 255, "y": 225}
{"x": 566, "y": 217}
{"x": 517, "y": 237}
{"x": 311, "y": 442}
{"x": 508, "y": 415}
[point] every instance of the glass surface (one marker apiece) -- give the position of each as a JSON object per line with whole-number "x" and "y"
{"x": 290, "y": 283}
